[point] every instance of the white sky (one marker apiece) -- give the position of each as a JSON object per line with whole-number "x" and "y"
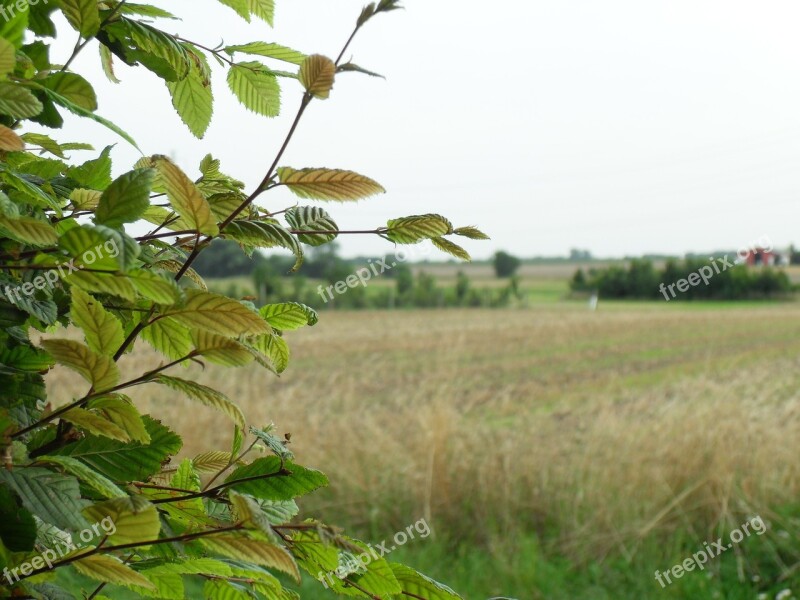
{"x": 623, "y": 126}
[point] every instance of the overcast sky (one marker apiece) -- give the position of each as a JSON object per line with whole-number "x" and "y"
{"x": 623, "y": 127}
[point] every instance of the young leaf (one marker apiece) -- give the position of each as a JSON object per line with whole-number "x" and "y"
{"x": 101, "y": 371}
{"x": 18, "y": 102}
{"x": 95, "y": 424}
{"x": 263, "y": 482}
{"x": 449, "y": 247}
{"x": 109, "y": 569}
{"x": 263, "y": 9}
{"x": 192, "y": 96}
{"x": 8, "y": 57}
{"x": 267, "y": 50}
{"x": 168, "y": 337}
{"x": 154, "y": 287}
{"x": 10, "y": 141}
{"x": 135, "y": 519}
{"x": 253, "y": 551}
{"x": 317, "y": 74}
{"x": 256, "y": 87}
{"x": 328, "y": 184}
{"x": 312, "y": 218}
{"x": 83, "y": 15}
{"x": 29, "y": 231}
{"x": 89, "y": 476}
{"x": 220, "y": 350}
{"x": 120, "y": 410}
{"x": 205, "y": 395}
{"x": 126, "y": 198}
{"x": 412, "y": 230}
{"x": 74, "y": 88}
{"x": 288, "y": 316}
{"x": 219, "y": 315}
{"x": 472, "y": 233}
{"x": 185, "y": 198}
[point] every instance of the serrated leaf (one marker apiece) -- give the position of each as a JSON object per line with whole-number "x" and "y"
{"x": 95, "y": 424}
{"x": 109, "y": 569}
{"x": 120, "y": 410}
{"x": 185, "y": 197}
{"x": 54, "y": 498}
{"x": 242, "y": 7}
{"x": 135, "y": 519}
{"x": 317, "y": 74}
{"x": 205, "y": 395}
{"x": 273, "y": 347}
{"x": 288, "y": 316}
{"x": 256, "y": 87}
{"x": 126, "y": 462}
{"x": 417, "y": 585}
{"x": 85, "y": 199}
{"x": 302, "y": 481}
{"x": 8, "y": 57}
{"x": 211, "y": 462}
{"x": 256, "y": 234}
{"x": 17, "y": 525}
{"x": 103, "y": 330}
{"x": 263, "y": 9}
{"x": 218, "y": 314}
{"x": 276, "y": 445}
{"x": 192, "y": 96}
{"x": 73, "y": 87}
{"x": 89, "y": 476}
{"x": 253, "y": 551}
{"x": 353, "y": 68}
{"x": 221, "y": 350}
{"x": 100, "y": 283}
{"x": 412, "y": 230}
{"x": 83, "y": 15}
{"x": 328, "y": 184}
{"x": 29, "y": 231}
{"x": 18, "y": 102}
{"x": 472, "y": 233}
{"x": 10, "y": 141}
{"x": 154, "y": 287}
{"x": 126, "y": 198}
{"x": 169, "y": 337}
{"x": 268, "y": 50}
{"x": 101, "y": 371}
{"x": 449, "y": 247}
{"x": 312, "y": 218}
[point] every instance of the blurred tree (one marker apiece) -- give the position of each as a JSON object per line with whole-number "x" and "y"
{"x": 505, "y": 265}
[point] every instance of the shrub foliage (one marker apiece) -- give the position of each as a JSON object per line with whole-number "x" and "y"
{"x": 225, "y": 521}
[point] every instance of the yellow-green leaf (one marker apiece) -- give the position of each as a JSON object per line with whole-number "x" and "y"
{"x": 185, "y": 197}
{"x": 218, "y": 314}
{"x": 220, "y": 350}
{"x": 83, "y": 15}
{"x": 109, "y": 569}
{"x": 205, "y": 395}
{"x": 101, "y": 371}
{"x": 256, "y": 87}
{"x": 136, "y": 520}
{"x": 103, "y": 331}
{"x": 328, "y": 184}
{"x": 96, "y": 424}
{"x": 8, "y": 57}
{"x": 120, "y": 410}
{"x": 255, "y": 551}
{"x": 29, "y": 231}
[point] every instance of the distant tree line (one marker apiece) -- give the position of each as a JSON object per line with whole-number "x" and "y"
{"x": 642, "y": 280}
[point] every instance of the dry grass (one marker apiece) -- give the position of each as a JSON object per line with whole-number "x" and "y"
{"x": 597, "y": 430}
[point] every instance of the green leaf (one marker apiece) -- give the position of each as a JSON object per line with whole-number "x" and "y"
{"x": 276, "y": 445}
{"x": 185, "y": 197}
{"x": 255, "y": 234}
{"x": 472, "y": 233}
{"x": 101, "y": 371}
{"x": 412, "y": 230}
{"x": 126, "y": 198}
{"x": 8, "y": 57}
{"x": 95, "y": 424}
{"x": 17, "y": 525}
{"x": 288, "y": 316}
{"x": 221, "y": 350}
{"x": 83, "y": 15}
{"x": 242, "y": 7}
{"x": 98, "y": 283}
{"x": 155, "y": 287}
{"x": 353, "y": 68}
{"x": 109, "y": 569}
{"x": 94, "y": 174}
{"x": 18, "y": 102}
{"x": 29, "y": 231}
{"x": 169, "y": 337}
{"x": 54, "y": 498}
{"x": 126, "y": 462}
{"x": 120, "y": 410}
{"x": 328, "y": 184}
{"x": 211, "y": 462}
{"x": 415, "y": 584}
{"x": 192, "y": 96}
{"x": 135, "y": 519}
{"x": 205, "y": 395}
{"x": 274, "y": 348}
{"x": 218, "y": 314}
{"x": 449, "y": 247}
{"x": 263, "y": 9}
{"x": 302, "y": 481}
{"x": 312, "y": 218}
{"x": 317, "y": 74}
{"x": 103, "y": 330}
{"x": 158, "y": 51}
{"x": 256, "y": 87}
{"x": 253, "y": 551}
{"x": 73, "y": 87}
{"x": 90, "y": 477}
{"x": 268, "y": 50}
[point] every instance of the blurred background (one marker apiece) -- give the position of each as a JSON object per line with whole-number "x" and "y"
{"x": 564, "y": 427}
